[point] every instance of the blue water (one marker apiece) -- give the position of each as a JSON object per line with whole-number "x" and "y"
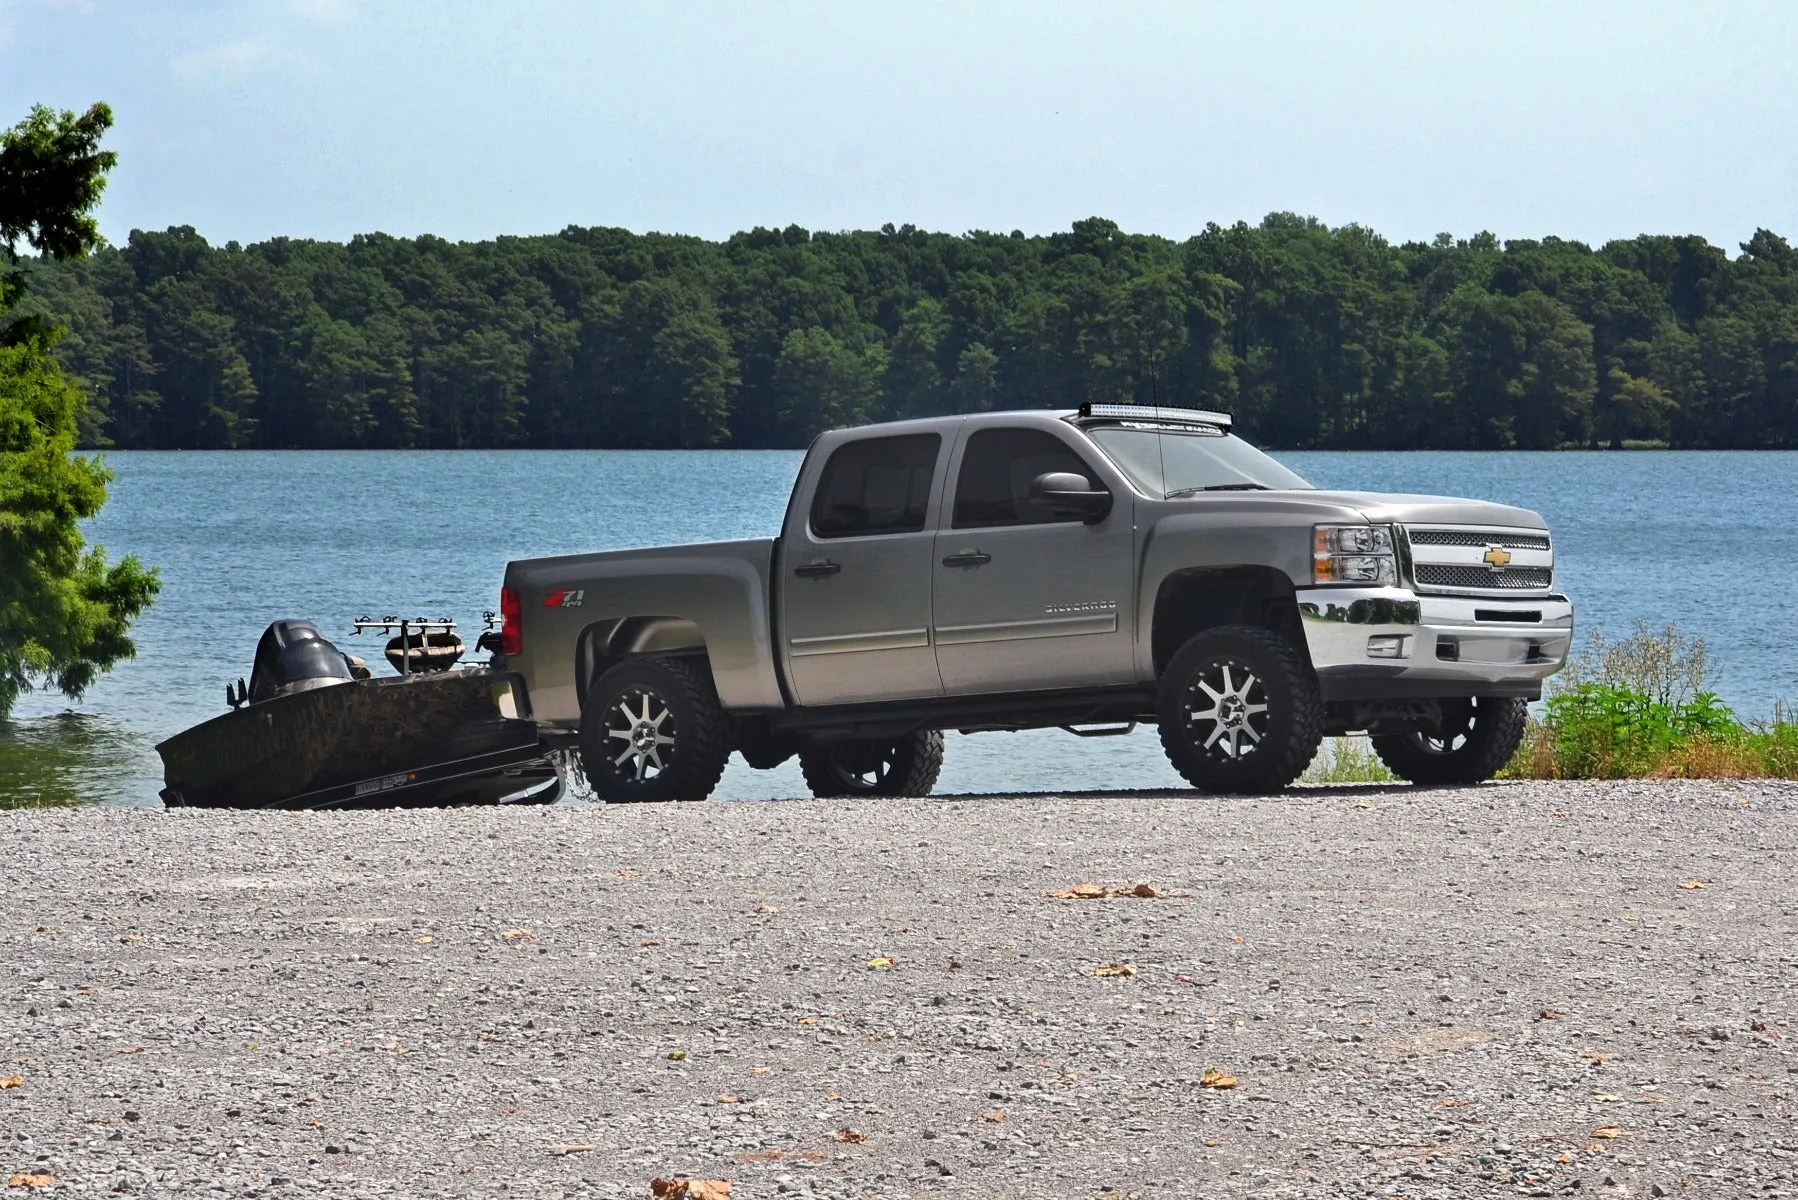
{"x": 1705, "y": 540}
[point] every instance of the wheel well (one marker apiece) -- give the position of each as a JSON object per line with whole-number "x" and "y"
{"x": 605, "y": 644}
{"x": 1190, "y": 602}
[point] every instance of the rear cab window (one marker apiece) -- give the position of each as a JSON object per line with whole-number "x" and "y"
{"x": 876, "y": 486}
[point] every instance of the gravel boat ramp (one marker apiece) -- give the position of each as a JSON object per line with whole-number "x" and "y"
{"x": 1542, "y": 989}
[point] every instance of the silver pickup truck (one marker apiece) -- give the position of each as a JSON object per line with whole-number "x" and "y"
{"x": 1085, "y": 570}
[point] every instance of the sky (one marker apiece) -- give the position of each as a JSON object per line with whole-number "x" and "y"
{"x": 327, "y": 118}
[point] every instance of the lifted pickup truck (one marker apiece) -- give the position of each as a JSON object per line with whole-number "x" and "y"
{"x": 1085, "y": 570}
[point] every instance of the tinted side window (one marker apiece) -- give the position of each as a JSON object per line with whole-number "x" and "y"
{"x": 996, "y": 470}
{"x": 877, "y": 485}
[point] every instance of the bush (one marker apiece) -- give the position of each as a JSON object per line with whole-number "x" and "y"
{"x": 1643, "y": 707}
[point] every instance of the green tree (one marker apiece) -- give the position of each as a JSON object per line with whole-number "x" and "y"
{"x": 64, "y": 613}
{"x": 823, "y": 384}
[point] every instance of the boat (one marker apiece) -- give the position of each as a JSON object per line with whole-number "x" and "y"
{"x": 307, "y": 733}
{"x": 426, "y": 650}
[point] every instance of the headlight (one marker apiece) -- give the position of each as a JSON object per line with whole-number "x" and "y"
{"x": 1353, "y": 554}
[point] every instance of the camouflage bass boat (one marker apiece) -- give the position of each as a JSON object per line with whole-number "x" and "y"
{"x": 313, "y": 730}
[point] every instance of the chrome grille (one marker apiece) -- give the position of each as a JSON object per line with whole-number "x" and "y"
{"x": 1510, "y": 578}
{"x": 1457, "y": 537}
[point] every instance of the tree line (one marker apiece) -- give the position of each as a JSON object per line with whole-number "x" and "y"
{"x": 1315, "y": 337}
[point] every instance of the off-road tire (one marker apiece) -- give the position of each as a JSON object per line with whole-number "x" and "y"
{"x": 1282, "y": 717}
{"x": 906, "y": 766}
{"x": 683, "y": 707}
{"x": 1494, "y": 729}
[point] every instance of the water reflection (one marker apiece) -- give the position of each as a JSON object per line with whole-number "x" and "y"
{"x": 69, "y": 758}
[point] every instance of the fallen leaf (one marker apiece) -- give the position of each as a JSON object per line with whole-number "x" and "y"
{"x": 1101, "y": 891}
{"x": 11, "y": 1081}
{"x": 1362, "y": 804}
{"x": 849, "y": 1135}
{"x": 1758, "y": 1026}
{"x": 1565, "y": 1156}
{"x": 1115, "y": 971}
{"x": 996, "y": 1117}
{"x": 518, "y": 935}
{"x": 424, "y": 940}
{"x": 1215, "y": 1141}
{"x": 1607, "y": 1098}
{"x": 131, "y": 1049}
{"x": 1607, "y": 1131}
{"x": 689, "y": 1189}
{"x": 31, "y": 1179}
{"x": 1239, "y": 940}
{"x": 1558, "y": 815}
{"x": 760, "y": 1070}
{"x": 1453, "y": 1103}
{"x": 879, "y": 962}
{"x": 767, "y": 910}
{"x": 572, "y": 1148}
{"x": 1547, "y": 1014}
{"x": 808, "y": 1020}
{"x": 677, "y": 1056}
{"x": 730, "y": 1100}
{"x": 652, "y": 941}
{"x": 1214, "y": 1078}
{"x": 627, "y": 874}
{"x": 1597, "y": 1056}
{"x": 131, "y": 937}
{"x": 1693, "y": 885}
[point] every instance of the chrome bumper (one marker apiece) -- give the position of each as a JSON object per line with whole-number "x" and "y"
{"x": 1392, "y": 643}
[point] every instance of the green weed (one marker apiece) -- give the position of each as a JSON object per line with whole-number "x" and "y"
{"x": 1347, "y": 760}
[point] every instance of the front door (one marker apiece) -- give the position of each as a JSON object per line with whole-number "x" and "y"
{"x": 1025, "y": 599}
{"x": 855, "y": 575}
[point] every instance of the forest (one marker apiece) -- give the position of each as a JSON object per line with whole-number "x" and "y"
{"x": 1314, "y": 337}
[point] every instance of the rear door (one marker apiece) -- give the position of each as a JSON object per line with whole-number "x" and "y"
{"x": 1026, "y": 600}
{"x": 855, "y": 573}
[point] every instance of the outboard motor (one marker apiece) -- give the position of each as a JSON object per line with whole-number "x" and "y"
{"x": 293, "y": 656}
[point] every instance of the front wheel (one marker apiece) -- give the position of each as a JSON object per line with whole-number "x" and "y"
{"x": 1240, "y": 711}
{"x": 1475, "y": 739}
{"x": 653, "y": 730}
{"x": 907, "y": 766}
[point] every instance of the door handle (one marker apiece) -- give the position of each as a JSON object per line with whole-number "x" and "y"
{"x": 967, "y": 558}
{"x": 817, "y": 569}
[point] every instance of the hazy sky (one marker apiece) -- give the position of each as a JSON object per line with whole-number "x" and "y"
{"x": 324, "y": 118}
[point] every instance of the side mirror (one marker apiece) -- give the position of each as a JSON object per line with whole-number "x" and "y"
{"x": 1065, "y": 493}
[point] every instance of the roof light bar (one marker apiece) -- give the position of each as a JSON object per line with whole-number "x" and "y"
{"x": 1144, "y": 412}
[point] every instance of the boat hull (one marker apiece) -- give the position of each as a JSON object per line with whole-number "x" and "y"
{"x": 420, "y": 740}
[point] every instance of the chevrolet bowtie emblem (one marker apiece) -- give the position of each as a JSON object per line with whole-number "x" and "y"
{"x": 1497, "y": 558}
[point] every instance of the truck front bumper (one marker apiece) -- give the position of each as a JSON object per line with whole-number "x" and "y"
{"x": 1395, "y": 644}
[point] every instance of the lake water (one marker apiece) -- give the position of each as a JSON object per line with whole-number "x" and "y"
{"x": 1704, "y": 540}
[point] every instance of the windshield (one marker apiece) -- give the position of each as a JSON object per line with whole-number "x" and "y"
{"x": 1169, "y": 462}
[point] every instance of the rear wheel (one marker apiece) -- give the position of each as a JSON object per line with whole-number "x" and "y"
{"x": 1475, "y": 740}
{"x": 906, "y": 766}
{"x": 653, "y": 730}
{"x": 1240, "y": 711}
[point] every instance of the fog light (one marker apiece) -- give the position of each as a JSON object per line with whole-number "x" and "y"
{"x": 1389, "y": 645}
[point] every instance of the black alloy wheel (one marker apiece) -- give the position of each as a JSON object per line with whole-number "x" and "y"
{"x": 1472, "y": 744}
{"x": 906, "y": 766}
{"x": 652, "y": 730}
{"x": 1240, "y": 710}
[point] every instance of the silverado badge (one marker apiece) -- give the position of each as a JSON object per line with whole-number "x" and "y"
{"x": 1498, "y": 558}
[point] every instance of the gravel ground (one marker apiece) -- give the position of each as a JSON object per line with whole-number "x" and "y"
{"x": 1517, "y": 988}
